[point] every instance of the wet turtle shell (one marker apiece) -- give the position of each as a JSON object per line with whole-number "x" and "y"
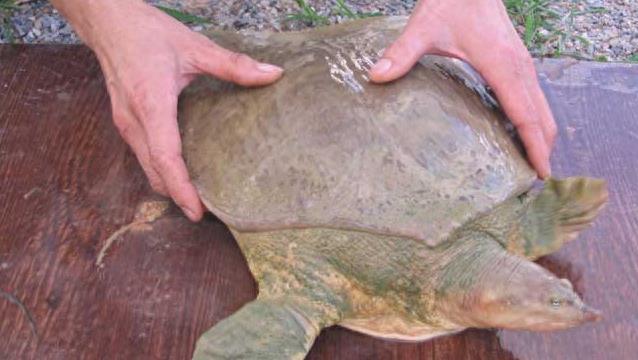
{"x": 324, "y": 147}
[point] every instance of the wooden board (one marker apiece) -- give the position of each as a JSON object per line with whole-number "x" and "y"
{"x": 68, "y": 181}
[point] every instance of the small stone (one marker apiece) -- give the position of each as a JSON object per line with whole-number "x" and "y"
{"x": 615, "y": 42}
{"x": 20, "y": 29}
{"x": 66, "y": 29}
{"x": 55, "y": 26}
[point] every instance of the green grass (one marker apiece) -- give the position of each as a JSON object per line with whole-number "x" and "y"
{"x": 7, "y": 5}
{"x": 342, "y": 9}
{"x": 310, "y": 16}
{"x": 544, "y": 31}
{"x": 533, "y": 16}
{"x": 182, "y": 16}
{"x": 6, "y": 9}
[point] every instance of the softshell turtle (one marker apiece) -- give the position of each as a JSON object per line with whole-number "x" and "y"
{"x": 403, "y": 211}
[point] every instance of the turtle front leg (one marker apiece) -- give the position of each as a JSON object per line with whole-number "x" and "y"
{"x": 542, "y": 223}
{"x": 264, "y": 329}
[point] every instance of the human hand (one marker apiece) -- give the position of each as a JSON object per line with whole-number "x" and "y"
{"x": 480, "y": 33}
{"x": 147, "y": 58}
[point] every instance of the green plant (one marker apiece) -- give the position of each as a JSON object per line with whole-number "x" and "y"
{"x": 567, "y": 34}
{"x": 345, "y": 11}
{"x": 633, "y": 58}
{"x": 533, "y": 16}
{"x": 6, "y": 10}
{"x": 544, "y": 31}
{"x": 307, "y": 14}
{"x": 182, "y": 16}
{"x": 7, "y": 5}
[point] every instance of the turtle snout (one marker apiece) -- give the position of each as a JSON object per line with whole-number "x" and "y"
{"x": 590, "y": 314}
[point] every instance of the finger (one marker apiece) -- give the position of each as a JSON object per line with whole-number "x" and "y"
{"x": 401, "y": 56}
{"x": 234, "y": 67}
{"x": 512, "y": 77}
{"x": 133, "y": 134}
{"x": 548, "y": 125}
{"x": 158, "y": 115}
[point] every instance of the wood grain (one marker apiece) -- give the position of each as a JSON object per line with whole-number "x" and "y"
{"x": 68, "y": 181}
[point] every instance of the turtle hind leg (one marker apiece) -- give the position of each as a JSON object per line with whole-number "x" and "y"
{"x": 264, "y": 329}
{"x": 559, "y": 212}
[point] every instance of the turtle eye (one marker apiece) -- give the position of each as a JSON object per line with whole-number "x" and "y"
{"x": 555, "y": 302}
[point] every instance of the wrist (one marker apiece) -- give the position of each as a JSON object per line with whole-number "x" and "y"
{"x": 94, "y": 18}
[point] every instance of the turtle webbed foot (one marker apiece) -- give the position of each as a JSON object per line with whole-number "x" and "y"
{"x": 578, "y": 201}
{"x": 558, "y": 214}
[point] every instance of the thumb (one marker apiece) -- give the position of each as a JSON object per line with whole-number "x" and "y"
{"x": 235, "y": 67}
{"x": 399, "y": 58}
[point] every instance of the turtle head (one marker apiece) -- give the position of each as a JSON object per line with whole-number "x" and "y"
{"x": 531, "y": 298}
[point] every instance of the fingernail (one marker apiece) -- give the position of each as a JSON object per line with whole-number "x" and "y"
{"x": 269, "y": 68}
{"x": 548, "y": 166}
{"x": 382, "y": 66}
{"x": 545, "y": 171}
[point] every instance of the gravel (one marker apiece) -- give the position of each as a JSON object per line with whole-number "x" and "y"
{"x": 598, "y": 29}
{"x": 35, "y": 22}
{"x": 271, "y": 14}
{"x": 591, "y": 29}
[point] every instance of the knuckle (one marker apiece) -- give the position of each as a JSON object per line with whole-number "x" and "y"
{"x": 147, "y": 98}
{"x": 154, "y": 179}
{"x": 156, "y": 184}
{"x": 406, "y": 48}
{"x": 527, "y": 126}
{"x": 139, "y": 97}
{"x": 525, "y": 116}
{"x": 199, "y": 53}
{"x": 398, "y": 47}
{"x": 161, "y": 159}
{"x": 237, "y": 59}
{"x": 236, "y": 72}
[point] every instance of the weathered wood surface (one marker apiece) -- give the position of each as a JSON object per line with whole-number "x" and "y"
{"x": 68, "y": 181}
